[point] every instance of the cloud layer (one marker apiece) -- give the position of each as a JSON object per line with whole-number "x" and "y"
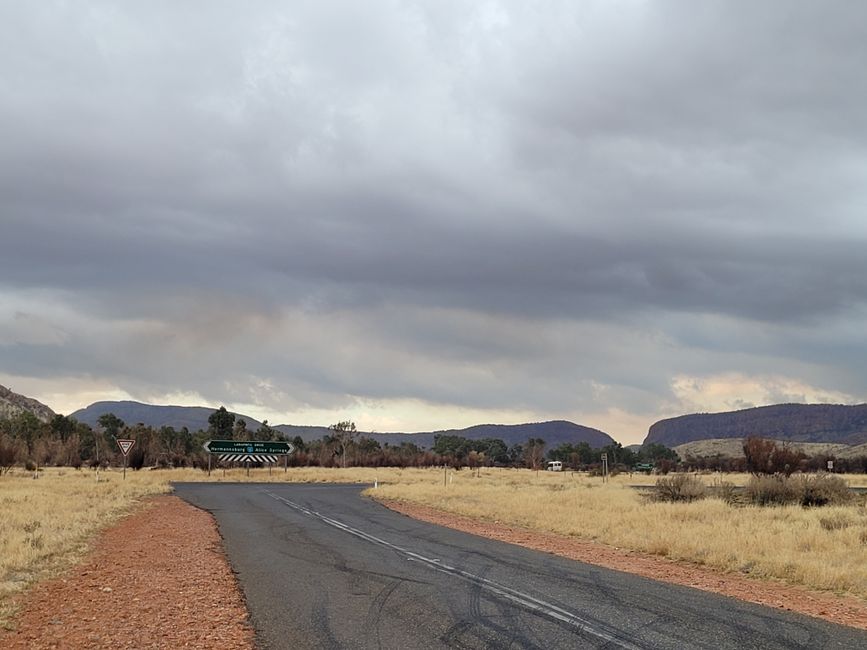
{"x": 426, "y": 215}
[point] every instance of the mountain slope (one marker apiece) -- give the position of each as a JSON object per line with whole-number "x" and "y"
{"x": 13, "y": 404}
{"x": 831, "y": 423}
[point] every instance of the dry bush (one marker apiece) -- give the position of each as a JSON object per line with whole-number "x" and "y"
{"x": 725, "y": 490}
{"x": 681, "y": 487}
{"x": 806, "y": 490}
{"x": 822, "y": 489}
{"x": 774, "y": 490}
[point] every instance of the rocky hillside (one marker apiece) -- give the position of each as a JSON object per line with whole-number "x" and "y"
{"x": 829, "y": 423}
{"x": 12, "y": 404}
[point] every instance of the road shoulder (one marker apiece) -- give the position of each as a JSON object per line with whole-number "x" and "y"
{"x": 159, "y": 578}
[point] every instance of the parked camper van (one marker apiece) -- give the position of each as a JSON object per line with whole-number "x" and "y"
{"x": 555, "y": 466}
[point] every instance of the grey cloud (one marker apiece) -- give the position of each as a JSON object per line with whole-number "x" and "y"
{"x": 458, "y": 185}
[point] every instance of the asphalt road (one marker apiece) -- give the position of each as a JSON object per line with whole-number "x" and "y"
{"x": 323, "y": 567}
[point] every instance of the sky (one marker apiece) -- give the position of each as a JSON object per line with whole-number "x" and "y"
{"x": 428, "y": 215}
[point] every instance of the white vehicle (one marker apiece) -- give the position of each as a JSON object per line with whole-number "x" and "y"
{"x": 555, "y": 466}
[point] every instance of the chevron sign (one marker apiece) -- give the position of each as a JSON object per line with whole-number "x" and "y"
{"x": 253, "y": 458}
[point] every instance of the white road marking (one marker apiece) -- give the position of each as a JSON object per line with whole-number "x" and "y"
{"x": 520, "y": 598}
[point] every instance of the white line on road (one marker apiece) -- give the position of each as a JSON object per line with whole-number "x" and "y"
{"x": 524, "y": 600}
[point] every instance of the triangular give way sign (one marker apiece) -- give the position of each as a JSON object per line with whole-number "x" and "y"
{"x": 125, "y": 445}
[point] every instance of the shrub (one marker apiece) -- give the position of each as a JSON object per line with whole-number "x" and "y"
{"x": 681, "y": 487}
{"x": 822, "y": 489}
{"x": 771, "y": 490}
{"x": 813, "y": 490}
{"x": 724, "y": 490}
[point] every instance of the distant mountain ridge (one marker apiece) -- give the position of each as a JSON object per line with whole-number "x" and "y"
{"x": 12, "y": 404}
{"x": 829, "y": 423}
{"x": 192, "y": 417}
{"x": 196, "y": 417}
{"x": 554, "y": 433}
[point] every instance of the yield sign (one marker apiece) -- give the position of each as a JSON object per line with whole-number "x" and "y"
{"x": 125, "y": 445}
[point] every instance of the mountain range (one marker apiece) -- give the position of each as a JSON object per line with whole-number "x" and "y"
{"x": 807, "y": 423}
{"x": 196, "y": 417}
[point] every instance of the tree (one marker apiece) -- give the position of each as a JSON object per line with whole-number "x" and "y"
{"x": 343, "y": 434}
{"x": 8, "y": 453}
{"x": 534, "y": 453}
{"x": 240, "y": 430}
{"x": 111, "y": 424}
{"x": 653, "y": 452}
{"x": 265, "y": 431}
{"x": 221, "y": 423}
{"x": 62, "y": 427}
{"x": 759, "y": 455}
{"x": 26, "y": 427}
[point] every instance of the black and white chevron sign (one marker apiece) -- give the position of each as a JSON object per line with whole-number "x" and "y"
{"x": 253, "y": 458}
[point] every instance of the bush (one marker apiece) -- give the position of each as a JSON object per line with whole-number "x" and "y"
{"x": 681, "y": 487}
{"x": 822, "y": 489}
{"x": 813, "y": 490}
{"x": 774, "y": 490}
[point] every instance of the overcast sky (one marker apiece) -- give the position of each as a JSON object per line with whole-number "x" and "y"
{"x": 429, "y": 215}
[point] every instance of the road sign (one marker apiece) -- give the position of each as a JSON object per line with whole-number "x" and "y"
{"x": 272, "y": 447}
{"x": 125, "y": 445}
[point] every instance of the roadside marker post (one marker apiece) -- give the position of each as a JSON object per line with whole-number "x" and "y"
{"x": 125, "y": 446}
{"x": 604, "y": 467}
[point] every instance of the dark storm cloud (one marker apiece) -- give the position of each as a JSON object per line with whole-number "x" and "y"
{"x": 650, "y": 170}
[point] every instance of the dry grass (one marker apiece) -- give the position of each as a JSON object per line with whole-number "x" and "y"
{"x": 822, "y": 548}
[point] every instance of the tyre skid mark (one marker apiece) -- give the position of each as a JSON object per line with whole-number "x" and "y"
{"x": 526, "y": 601}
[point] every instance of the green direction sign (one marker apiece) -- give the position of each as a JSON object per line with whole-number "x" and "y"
{"x": 248, "y": 447}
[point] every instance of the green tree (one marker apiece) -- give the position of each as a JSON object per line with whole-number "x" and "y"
{"x": 221, "y": 423}
{"x": 239, "y": 431}
{"x": 62, "y": 427}
{"x": 111, "y": 424}
{"x": 265, "y": 432}
{"x": 26, "y": 427}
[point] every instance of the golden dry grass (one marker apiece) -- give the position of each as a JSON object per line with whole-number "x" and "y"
{"x": 822, "y": 548}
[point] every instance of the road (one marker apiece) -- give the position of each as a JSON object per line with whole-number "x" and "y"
{"x": 323, "y": 567}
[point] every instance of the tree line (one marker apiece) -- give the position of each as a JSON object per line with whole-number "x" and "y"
{"x": 63, "y": 441}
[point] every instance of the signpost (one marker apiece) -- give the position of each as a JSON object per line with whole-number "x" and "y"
{"x": 125, "y": 446}
{"x": 604, "y": 467}
{"x": 258, "y": 451}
